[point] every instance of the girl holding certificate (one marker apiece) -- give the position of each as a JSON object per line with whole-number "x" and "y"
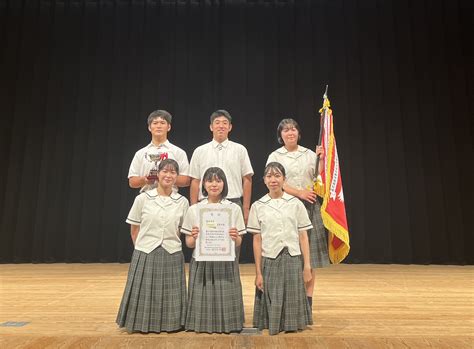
{"x": 154, "y": 299}
{"x": 215, "y": 303}
{"x": 279, "y": 222}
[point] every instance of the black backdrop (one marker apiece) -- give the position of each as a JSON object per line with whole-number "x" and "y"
{"x": 78, "y": 79}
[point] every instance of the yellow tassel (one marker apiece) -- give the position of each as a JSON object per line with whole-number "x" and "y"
{"x": 318, "y": 187}
{"x": 326, "y": 104}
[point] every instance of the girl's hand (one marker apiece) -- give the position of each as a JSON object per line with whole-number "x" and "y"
{"x": 234, "y": 234}
{"x": 320, "y": 151}
{"x": 195, "y": 232}
{"x": 307, "y": 275}
{"x": 307, "y": 195}
{"x": 259, "y": 282}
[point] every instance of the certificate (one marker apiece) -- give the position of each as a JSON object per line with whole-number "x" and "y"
{"x": 214, "y": 242}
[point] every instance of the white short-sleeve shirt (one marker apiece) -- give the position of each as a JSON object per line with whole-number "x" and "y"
{"x": 191, "y": 219}
{"x": 142, "y": 164}
{"x": 300, "y": 166}
{"x": 279, "y": 221}
{"x": 160, "y": 219}
{"x": 231, "y": 157}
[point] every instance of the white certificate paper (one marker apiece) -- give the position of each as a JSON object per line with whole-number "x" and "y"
{"x": 214, "y": 242}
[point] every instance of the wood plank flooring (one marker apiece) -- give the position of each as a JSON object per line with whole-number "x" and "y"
{"x": 355, "y": 306}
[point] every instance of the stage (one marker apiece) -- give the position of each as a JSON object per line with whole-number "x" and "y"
{"x": 355, "y": 306}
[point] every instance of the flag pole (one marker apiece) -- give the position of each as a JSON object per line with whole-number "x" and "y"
{"x": 321, "y": 123}
{"x": 318, "y": 186}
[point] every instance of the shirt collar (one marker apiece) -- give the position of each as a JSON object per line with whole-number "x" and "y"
{"x": 283, "y": 150}
{"x": 224, "y": 144}
{"x": 205, "y": 201}
{"x": 166, "y": 144}
{"x": 153, "y": 194}
{"x": 267, "y": 198}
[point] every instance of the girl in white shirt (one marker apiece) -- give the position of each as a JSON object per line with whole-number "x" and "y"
{"x": 154, "y": 299}
{"x": 300, "y": 165}
{"x": 279, "y": 222}
{"x": 215, "y": 303}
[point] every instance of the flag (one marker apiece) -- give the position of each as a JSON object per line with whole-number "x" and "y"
{"x": 333, "y": 210}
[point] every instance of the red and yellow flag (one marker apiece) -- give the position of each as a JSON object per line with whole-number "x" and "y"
{"x": 333, "y": 210}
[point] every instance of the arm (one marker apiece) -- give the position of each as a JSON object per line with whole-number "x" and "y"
{"x": 134, "y": 230}
{"x": 183, "y": 181}
{"x": 234, "y": 235}
{"x": 139, "y": 181}
{"x": 304, "y": 245}
{"x": 194, "y": 190}
{"x": 257, "y": 253}
{"x": 191, "y": 239}
{"x": 303, "y": 194}
{"x": 247, "y": 188}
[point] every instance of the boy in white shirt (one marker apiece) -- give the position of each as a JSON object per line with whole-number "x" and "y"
{"x": 231, "y": 157}
{"x": 140, "y": 174}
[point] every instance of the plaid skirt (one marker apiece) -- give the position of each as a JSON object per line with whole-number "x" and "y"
{"x": 215, "y": 303}
{"x": 154, "y": 299}
{"x": 318, "y": 237}
{"x": 283, "y": 305}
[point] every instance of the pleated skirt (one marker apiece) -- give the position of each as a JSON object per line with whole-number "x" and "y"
{"x": 318, "y": 237}
{"x": 283, "y": 305}
{"x": 154, "y": 299}
{"x": 215, "y": 303}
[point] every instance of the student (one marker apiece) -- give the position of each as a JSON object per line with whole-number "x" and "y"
{"x": 231, "y": 157}
{"x": 279, "y": 222}
{"x": 159, "y": 124}
{"x": 154, "y": 299}
{"x": 215, "y": 302}
{"x": 299, "y": 163}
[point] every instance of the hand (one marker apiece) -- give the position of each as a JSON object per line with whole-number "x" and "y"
{"x": 259, "y": 282}
{"x": 320, "y": 151}
{"x": 234, "y": 234}
{"x": 307, "y": 276}
{"x": 195, "y": 232}
{"x": 307, "y": 195}
{"x": 149, "y": 180}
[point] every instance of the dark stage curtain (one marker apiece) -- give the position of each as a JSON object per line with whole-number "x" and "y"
{"x": 79, "y": 77}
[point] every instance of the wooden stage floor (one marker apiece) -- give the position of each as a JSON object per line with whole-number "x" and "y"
{"x": 355, "y": 306}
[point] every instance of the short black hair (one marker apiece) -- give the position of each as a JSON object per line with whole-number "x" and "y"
{"x": 274, "y": 166}
{"x": 209, "y": 175}
{"x": 221, "y": 112}
{"x": 159, "y": 114}
{"x": 282, "y": 124}
{"x": 168, "y": 163}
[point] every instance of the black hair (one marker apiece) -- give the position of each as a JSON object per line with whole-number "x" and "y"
{"x": 221, "y": 112}
{"x": 209, "y": 175}
{"x": 168, "y": 163}
{"x": 159, "y": 114}
{"x": 282, "y": 124}
{"x": 275, "y": 167}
